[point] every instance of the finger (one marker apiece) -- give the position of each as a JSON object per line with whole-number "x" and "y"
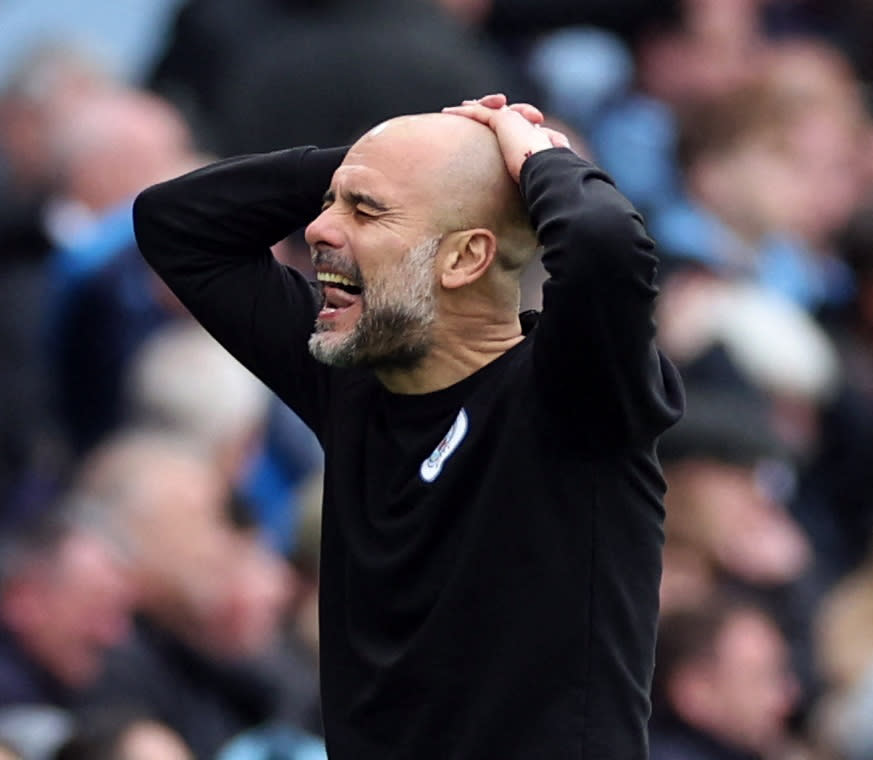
{"x": 493, "y": 100}
{"x": 531, "y": 113}
{"x": 558, "y": 139}
{"x": 477, "y": 112}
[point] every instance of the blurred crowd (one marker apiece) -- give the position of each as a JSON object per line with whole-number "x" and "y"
{"x": 159, "y": 523}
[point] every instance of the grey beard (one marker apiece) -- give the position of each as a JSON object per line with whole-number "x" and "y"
{"x": 398, "y": 312}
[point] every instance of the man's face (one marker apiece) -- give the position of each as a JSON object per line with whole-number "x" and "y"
{"x": 753, "y": 682}
{"x": 82, "y": 608}
{"x": 373, "y": 248}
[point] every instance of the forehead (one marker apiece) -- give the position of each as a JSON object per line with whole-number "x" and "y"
{"x": 392, "y": 166}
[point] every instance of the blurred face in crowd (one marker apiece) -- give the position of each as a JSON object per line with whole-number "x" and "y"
{"x": 716, "y": 51}
{"x": 182, "y": 539}
{"x": 744, "y": 691}
{"x": 70, "y": 610}
{"x": 258, "y": 586}
{"x": 726, "y": 513}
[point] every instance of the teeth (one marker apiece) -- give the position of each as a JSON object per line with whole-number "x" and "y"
{"x": 337, "y": 278}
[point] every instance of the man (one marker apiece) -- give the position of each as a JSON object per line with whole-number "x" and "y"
{"x": 492, "y": 507}
{"x": 209, "y": 602}
{"x": 65, "y": 600}
{"x": 724, "y": 689}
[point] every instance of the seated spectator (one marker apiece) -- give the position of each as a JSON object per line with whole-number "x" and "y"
{"x": 64, "y": 601}
{"x": 706, "y": 49}
{"x": 105, "y": 300}
{"x": 772, "y": 172}
{"x": 723, "y": 687}
{"x": 182, "y": 381}
{"x": 36, "y": 93}
{"x": 723, "y": 516}
{"x": 198, "y": 660}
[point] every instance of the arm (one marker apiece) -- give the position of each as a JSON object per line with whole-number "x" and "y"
{"x": 594, "y": 351}
{"x": 208, "y": 235}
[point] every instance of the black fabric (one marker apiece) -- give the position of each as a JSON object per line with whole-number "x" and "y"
{"x": 624, "y": 17}
{"x": 507, "y": 609}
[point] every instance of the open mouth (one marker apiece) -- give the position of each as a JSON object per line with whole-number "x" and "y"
{"x": 333, "y": 280}
{"x": 339, "y": 293}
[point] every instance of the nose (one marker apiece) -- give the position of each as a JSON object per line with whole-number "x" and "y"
{"x": 325, "y": 231}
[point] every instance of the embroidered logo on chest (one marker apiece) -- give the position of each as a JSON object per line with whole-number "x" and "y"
{"x": 433, "y": 465}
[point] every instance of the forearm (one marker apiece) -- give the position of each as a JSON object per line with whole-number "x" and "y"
{"x": 233, "y": 206}
{"x": 208, "y": 235}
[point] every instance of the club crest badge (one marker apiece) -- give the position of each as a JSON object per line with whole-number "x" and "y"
{"x": 433, "y": 465}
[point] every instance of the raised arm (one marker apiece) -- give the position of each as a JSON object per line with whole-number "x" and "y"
{"x": 594, "y": 347}
{"x": 208, "y": 235}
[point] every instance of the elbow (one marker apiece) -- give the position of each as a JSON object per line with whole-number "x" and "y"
{"x": 149, "y": 214}
{"x": 616, "y": 238}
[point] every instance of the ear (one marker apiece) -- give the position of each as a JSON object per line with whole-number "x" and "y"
{"x": 468, "y": 255}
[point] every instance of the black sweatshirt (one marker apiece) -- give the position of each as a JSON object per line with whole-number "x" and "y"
{"x": 490, "y": 551}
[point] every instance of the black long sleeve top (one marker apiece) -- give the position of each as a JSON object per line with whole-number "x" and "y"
{"x": 490, "y": 551}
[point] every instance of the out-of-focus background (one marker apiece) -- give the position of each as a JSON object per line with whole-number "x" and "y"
{"x": 160, "y": 510}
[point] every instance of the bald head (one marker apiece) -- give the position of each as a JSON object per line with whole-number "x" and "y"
{"x": 455, "y": 165}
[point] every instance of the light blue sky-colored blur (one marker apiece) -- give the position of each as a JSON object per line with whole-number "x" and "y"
{"x": 123, "y": 34}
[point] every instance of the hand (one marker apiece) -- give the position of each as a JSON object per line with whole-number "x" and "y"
{"x": 516, "y": 126}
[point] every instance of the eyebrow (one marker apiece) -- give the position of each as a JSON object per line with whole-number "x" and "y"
{"x": 357, "y": 198}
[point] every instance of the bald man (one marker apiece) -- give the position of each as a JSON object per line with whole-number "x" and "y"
{"x": 493, "y": 503}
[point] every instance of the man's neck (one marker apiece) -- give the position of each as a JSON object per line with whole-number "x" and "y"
{"x": 460, "y": 348}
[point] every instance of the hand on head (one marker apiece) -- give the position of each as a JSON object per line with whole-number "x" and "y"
{"x": 517, "y": 127}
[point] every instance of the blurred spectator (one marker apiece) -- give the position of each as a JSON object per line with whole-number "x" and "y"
{"x": 183, "y": 381}
{"x": 43, "y": 85}
{"x": 106, "y": 300}
{"x": 723, "y": 687}
{"x": 710, "y": 48}
{"x": 190, "y": 664}
{"x": 64, "y": 601}
{"x": 123, "y": 735}
{"x": 7, "y": 752}
{"x": 724, "y": 516}
{"x": 771, "y": 344}
{"x": 35, "y": 97}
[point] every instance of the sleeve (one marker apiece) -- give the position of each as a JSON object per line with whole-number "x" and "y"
{"x": 208, "y": 235}
{"x": 595, "y": 358}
